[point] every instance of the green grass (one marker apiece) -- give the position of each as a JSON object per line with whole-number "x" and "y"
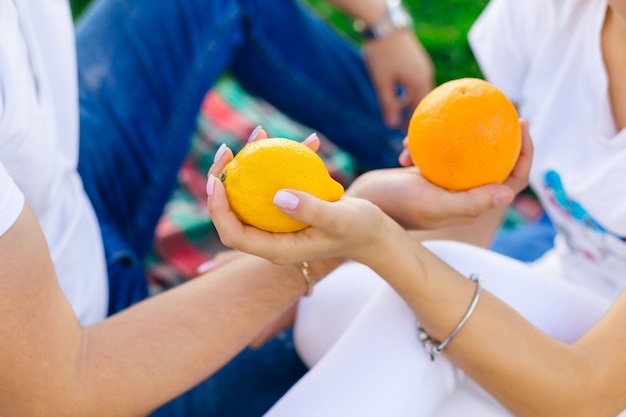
{"x": 441, "y": 25}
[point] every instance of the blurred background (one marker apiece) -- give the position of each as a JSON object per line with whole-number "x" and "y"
{"x": 441, "y": 25}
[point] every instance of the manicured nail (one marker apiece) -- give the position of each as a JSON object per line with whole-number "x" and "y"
{"x": 204, "y": 267}
{"x": 220, "y": 153}
{"x": 502, "y": 199}
{"x": 210, "y": 185}
{"x": 285, "y": 200}
{"x": 311, "y": 138}
{"x": 254, "y": 133}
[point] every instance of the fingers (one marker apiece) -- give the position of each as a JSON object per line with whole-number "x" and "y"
{"x": 279, "y": 248}
{"x": 526, "y": 154}
{"x": 311, "y": 210}
{"x": 473, "y": 203}
{"x": 312, "y": 141}
{"x": 405, "y": 159}
{"x": 518, "y": 179}
{"x": 257, "y": 134}
{"x": 389, "y": 102}
{"x": 222, "y": 157}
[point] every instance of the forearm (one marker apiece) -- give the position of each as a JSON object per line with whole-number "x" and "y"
{"x": 182, "y": 336}
{"x": 135, "y": 361}
{"x": 531, "y": 373}
{"x": 369, "y": 11}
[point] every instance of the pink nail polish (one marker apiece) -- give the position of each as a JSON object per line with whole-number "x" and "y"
{"x": 220, "y": 153}
{"x": 210, "y": 185}
{"x": 286, "y": 200}
{"x": 254, "y": 133}
{"x": 312, "y": 137}
{"x": 204, "y": 267}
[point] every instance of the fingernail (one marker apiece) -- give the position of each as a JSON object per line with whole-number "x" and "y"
{"x": 220, "y": 153}
{"x": 286, "y": 200}
{"x": 502, "y": 199}
{"x": 210, "y": 185}
{"x": 254, "y": 133}
{"x": 205, "y": 267}
{"x": 311, "y": 138}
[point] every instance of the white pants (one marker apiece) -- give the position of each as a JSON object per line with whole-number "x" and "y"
{"x": 359, "y": 338}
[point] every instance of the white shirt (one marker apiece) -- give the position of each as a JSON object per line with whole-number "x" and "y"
{"x": 546, "y": 56}
{"x": 39, "y": 146}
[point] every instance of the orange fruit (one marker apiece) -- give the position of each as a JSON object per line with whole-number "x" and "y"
{"x": 266, "y": 166}
{"x": 465, "y": 133}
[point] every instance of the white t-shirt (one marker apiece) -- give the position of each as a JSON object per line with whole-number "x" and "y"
{"x": 546, "y": 56}
{"x": 39, "y": 146}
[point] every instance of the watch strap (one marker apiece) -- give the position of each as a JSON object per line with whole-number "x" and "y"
{"x": 396, "y": 19}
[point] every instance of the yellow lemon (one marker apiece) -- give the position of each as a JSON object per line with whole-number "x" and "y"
{"x": 266, "y": 166}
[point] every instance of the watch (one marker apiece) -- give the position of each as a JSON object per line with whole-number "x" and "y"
{"x": 396, "y": 19}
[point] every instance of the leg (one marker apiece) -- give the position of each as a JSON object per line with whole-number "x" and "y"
{"x": 337, "y": 301}
{"x": 378, "y": 364}
{"x": 376, "y": 368}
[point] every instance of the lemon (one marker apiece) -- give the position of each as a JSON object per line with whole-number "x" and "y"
{"x": 266, "y": 166}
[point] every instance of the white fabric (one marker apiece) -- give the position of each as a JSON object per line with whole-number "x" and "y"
{"x": 545, "y": 55}
{"x": 39, "y": 144}
{"x": 377, "y": 367}
{"x": 11, "y": 201}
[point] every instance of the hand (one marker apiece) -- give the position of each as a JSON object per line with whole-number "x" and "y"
{"x": 399, "y": 60}
{"x": 350, "y": 228}
{"x": 410, "y": 199}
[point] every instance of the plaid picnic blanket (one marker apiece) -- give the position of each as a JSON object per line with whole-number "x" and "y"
{"x": 185, "y": 237}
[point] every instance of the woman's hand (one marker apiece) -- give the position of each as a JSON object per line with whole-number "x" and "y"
{"x": 398, "y": 60}
{"x": 410, "y": 199}
{"x": 350, "y": 228}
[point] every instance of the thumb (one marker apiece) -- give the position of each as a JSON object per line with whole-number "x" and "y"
{"x": 474, "y": 202}
{"x": 310, "y": 210}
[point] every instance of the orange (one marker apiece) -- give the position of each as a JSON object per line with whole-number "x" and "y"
{"x": 465, "y": 133}
{"x": 266, "y": 166}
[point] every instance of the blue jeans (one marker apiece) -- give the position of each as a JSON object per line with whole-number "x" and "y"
{"x": 144, "y": 68}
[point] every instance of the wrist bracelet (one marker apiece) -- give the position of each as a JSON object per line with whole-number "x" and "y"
{"x": 433, "y": 347}
{"x": 397, "y": 18}
{"x": 305, "y": 268}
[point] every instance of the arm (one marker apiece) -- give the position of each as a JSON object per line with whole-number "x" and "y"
{"x": 395, "y": 60}
{"x": 132, "y": 362}
{"x": 529, "y": 372}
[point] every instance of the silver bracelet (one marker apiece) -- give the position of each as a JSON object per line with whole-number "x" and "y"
{"x": 433, "y": 347}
